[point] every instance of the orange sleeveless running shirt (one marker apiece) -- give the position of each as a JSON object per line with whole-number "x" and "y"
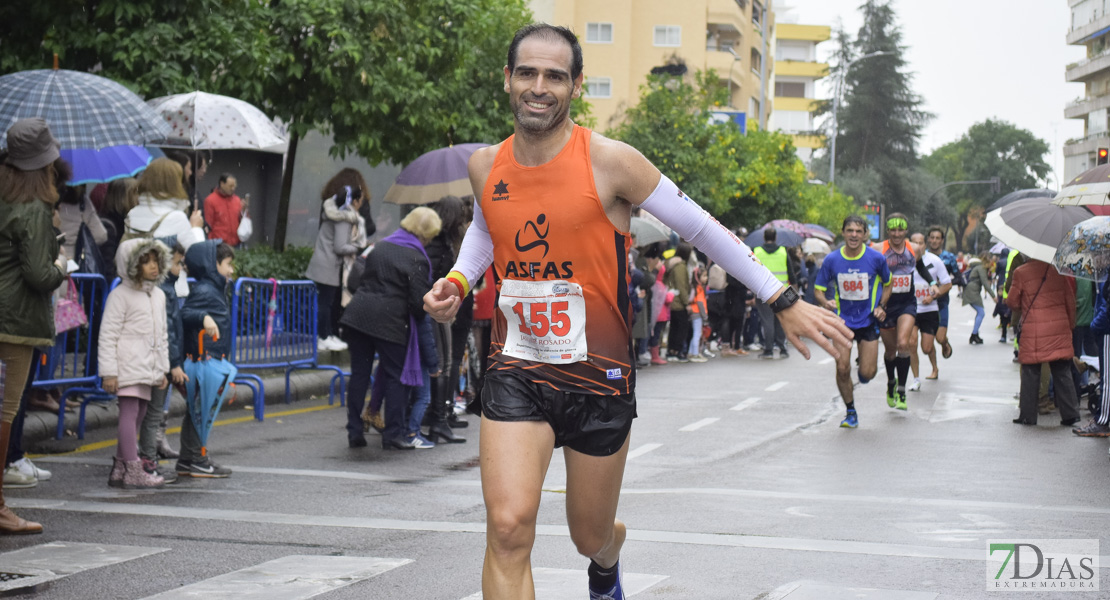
{"x": 548, "y": 225}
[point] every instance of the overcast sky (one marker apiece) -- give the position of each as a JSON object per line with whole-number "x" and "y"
{"x": 973, "y": 60}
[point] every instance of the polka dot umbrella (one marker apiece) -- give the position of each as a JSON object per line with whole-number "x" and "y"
{"x": 203, "y": 121}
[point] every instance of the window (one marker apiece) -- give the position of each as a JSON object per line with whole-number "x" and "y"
{"x": 757, "y": 62}
{"x": 757, "y": 14}
{"x": 599, "y": 87}
{"x": 599, "y": 33}
{"x": 793, "y": 121}
{"x": 790, "y": 89}
{"x": 668, "y": 35}
{"x": 792, "y": 51}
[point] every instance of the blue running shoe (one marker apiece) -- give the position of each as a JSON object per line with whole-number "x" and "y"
{"x": 617, "y": 591}
{"x": 851, "y": 420}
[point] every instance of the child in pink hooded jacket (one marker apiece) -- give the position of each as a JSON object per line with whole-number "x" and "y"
{"x": 134, "y": 350}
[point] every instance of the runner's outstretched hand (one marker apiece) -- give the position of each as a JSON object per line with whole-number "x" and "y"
{"x": 442, "y": 301}
{"x": 825, "y": 328}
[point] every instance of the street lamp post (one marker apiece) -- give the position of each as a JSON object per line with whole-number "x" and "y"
{"x": 735, "y": 59}
{"x": 836, "y": 104}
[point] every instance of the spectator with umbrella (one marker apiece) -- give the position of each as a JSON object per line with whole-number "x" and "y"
{"x": 32, "y": 266}
{"x": 163, "y": 208}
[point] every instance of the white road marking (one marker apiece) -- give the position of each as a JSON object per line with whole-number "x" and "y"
{"x": 797, "y": 512}
{"x": 642, "y": 450}
{"x": 287, "y": 578}
{"x": 47, "y": 562}
{"x": 745, "y": 404}
{"x": 827, "y": 360}
{"x": 211, "y": 515}
{"x": 801, "y": 590}
{"x": 568, "y": 584}
{"x": 774, "y": 387}
{"x": 699, "y": 424}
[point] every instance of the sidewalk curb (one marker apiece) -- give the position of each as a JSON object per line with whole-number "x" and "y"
{"x": 39, "y": 427}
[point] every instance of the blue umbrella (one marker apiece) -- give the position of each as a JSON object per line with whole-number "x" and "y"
{"x": 106, "y": 164}
{"x": 209, "y": 384}
{"x": 83, "y": 110}
{"x": 434, "y": 175}
{"x": 785, "y": 238}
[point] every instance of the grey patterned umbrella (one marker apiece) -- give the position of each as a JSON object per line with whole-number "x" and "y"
{"x": 83, "y": 110}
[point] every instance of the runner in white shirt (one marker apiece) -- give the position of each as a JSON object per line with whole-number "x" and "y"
{"x": 926, "y": 291}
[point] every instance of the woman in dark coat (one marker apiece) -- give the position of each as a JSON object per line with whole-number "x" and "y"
{"x": 381, "y": 318}
{"x": 32, "y": 266}
{"x": 450, "y": 338}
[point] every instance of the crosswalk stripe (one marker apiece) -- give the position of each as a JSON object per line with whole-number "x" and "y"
{"x": 568, "y": 584}
{"x": 295, "y": 577}
{"x": 774, "y": 387}
{"x": 696, "y": 425}
{"x": 47, "y": 562}
{"x": 642, "y": 450}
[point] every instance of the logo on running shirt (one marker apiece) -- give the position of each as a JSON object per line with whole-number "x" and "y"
{"x": 500, "y": 191}
{"x": 532, "y": 229}
{"x": 612, "y": 373}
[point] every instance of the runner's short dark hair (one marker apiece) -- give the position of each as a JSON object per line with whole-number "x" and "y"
{"x": 938, "y": 229}
{"x": 549, "y": 32}
{"x": 858, "y": 220}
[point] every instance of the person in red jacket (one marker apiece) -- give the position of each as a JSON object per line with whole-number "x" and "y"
{"x": 1043, "y": 302}
{"x": 223, "y": 211}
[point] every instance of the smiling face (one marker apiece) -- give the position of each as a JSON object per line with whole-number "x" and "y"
{"x": 936, "y": 240}
{"x": 540, "y": 86}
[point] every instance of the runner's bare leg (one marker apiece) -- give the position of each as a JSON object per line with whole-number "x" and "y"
{"x": 514, "y": 457}
{"x": 844, "y": 374}
{"x": 593, "y": 489}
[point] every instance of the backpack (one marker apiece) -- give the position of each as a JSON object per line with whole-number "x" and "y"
{"x": 132, "y": 234}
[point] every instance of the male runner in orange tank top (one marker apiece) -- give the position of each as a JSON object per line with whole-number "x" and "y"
{"x": 552, "y": 214}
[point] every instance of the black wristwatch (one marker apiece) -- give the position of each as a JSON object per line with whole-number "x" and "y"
{"x": 785, "y": 300}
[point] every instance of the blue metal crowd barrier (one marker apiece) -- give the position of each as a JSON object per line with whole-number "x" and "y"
{"x": 72, "y": 360}
{"x": 274, "y": 326}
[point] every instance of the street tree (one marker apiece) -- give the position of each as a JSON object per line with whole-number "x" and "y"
{"x": 991, "y": 148}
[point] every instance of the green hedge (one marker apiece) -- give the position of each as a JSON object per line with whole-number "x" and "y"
{"x": 263, "y": 262}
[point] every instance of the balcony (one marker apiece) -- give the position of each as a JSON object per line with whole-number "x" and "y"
{"x": 808, "y": 139}
{"x": 722, "y": 62}
{"x": 1087, "y": 144}
{"x": 726, "y": 14}
{"x": 1077, "y": 109}
{"x": 799, "y": 104}
{"x": 806, "y": 33}
{"x": 1088, "y": 68}
{"x": 1080, "y": 34}
{"x": 800, "y": 68}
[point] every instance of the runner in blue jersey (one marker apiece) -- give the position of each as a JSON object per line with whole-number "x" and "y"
{"x": 860, "y": 281}
{"x": 899, "y": 314}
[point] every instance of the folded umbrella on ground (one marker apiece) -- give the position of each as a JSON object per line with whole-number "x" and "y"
{"x": 209, "y": 384}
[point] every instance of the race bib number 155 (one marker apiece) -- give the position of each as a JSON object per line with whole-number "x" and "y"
{"x": 546, "y": 320}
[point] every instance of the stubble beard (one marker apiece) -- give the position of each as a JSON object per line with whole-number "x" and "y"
{"x": 538, "y": 126}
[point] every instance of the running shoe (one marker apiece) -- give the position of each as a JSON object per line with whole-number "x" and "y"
{"x": 203, "y": 468}
{"x": 891, "y": 396}
{"x": 901, "y": 403}
{"x": 914, "y": 386}
{"x": 615, "y": 593}
{"x": 1092, "y": 429}
{"x": 851, "y": 421}
{"x": 766, "y": 355}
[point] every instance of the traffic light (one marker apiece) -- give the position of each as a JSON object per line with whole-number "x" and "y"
{"x": 1103, "y": 156}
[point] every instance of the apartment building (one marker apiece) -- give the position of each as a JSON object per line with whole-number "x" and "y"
{"x": 795, "y": 83}
{"x": 1090, "y": 27}
{"x": 623, "y": 40}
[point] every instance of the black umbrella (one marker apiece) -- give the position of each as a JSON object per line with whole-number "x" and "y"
{"x": 785, "y": 238}
{"x": 1021, "y": 194}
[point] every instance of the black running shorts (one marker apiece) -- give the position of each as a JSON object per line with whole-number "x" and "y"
{"x": 867, "y": 334}
{"x": 895, "y": 309}
{"x": 587, "y": 423}
{"x": 928, "y": 322}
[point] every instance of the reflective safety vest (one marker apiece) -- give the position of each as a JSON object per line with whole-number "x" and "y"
{"x": 1009, "y": 272}
{"x": 776, "y": 263}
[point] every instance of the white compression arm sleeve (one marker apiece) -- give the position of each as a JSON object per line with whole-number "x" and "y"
{"x": 476, "y": 252}
{"x": 693, "y": 223}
